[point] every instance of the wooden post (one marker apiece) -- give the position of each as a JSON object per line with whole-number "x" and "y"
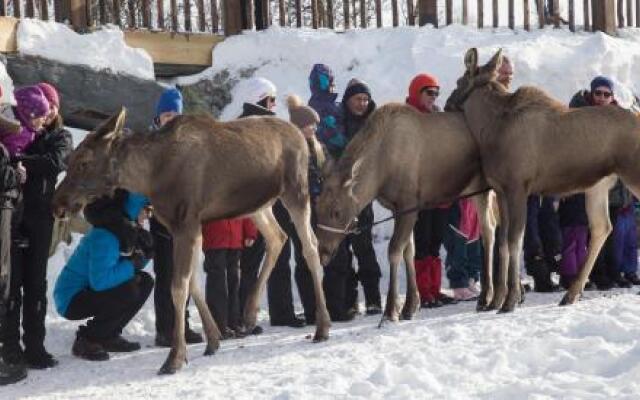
{"x": 465, "y": 12}
{"x": 620, "y": 10}
{"x": 629, "y": 13}
{"x": 298, "y": 14}
{"x": 604, "y": 16}
{"x": 215, "y": 16}
{"x": 495, "y": 13}
{"x": 572, "y": 16}
{"x": 448, "y": 12}
{"x": 29, "y": 8}
{"x": 202, "y": 24}
{"x": 78, "y": 11}
{"x": 314, "y": 14}
{"x": 132, "y": 13}
{"x": 345, "y": 12}
{"x": 146, "y": 14}
{"x": 266, "y": 14}
{"x": 637, "y": 13}
{"x": 556, "y": 13}
{"x": 281, "y": 11}
{"x": 117, "y": 10}
{"x": 187, "y": 15}
{"x": 480, "y": 14}
{"x": 3, "y": 8}
{"x": 410, "y": 13}
{"x": 512, "y": 16}
{"x": 379, "y": 13}
{"x": 160, "y": 12}
{"x": 44, "y": 10}
{"x": 363, "y": 14}
{"x": 527, "y": 19}
{"x": 102, "y": 10}
{"x": 16, "y": 9}
{"x": 60, "y": 9}
{"x": 232, "y": 11}
{"x": 587, "y": 25}
{"x": 394, "y": 12}
{"x": 540, "y": 4}
{"x": 330, "y": 21}
{"x": 428, "y": 12}
{"x": 354, "y": 14}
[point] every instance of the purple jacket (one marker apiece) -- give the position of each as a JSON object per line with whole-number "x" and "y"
{"x": 330, "y": 130}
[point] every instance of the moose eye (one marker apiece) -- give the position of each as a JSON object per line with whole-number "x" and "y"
{"x": 335, "y": 214}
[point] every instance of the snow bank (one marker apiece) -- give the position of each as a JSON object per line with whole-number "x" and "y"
{"x": 555, "y": 60}
{"x": 103, "y": 49}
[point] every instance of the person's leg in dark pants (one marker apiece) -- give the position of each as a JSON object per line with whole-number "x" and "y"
{"x": 423, "y": 272}
{"x": 369, "y": 273}
{"x": 216, "y": 290}
{"x": 12, "y": 352}
{"x": 279, "y": 294}
{"x": 336, "y": 274}
{"x": 234, "y": 319}
{"x": 38, "y": 230}
{"x": 304, "y": 281}
{"x": 250, "y": 262}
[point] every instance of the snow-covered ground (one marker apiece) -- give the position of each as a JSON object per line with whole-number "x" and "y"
{"x": 586, "y": 351}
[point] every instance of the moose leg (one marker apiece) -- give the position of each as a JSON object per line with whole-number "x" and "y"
{"x": 597, "y": 205}
{"x": 397, "y": 245}
{"x": 517, "y": 218}
{"x": 412, "y": 299}
{"x": 183, "y": 242}
{"x": 210, "y": 328}
{"x": 500, "y": 283}
{"x": 301, "y": 217}
{"x": 274, "y": 238}
{"x": 484, "y": 204}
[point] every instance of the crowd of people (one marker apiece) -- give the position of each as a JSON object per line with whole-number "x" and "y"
{"x": 104, "y": 281}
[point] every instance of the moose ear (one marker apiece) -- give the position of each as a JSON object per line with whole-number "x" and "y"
{"x": 353, "y": 176}
{"x": 495, "y": 61}
{"x": 471, "y": 60}
{"x": 113, "y": 126}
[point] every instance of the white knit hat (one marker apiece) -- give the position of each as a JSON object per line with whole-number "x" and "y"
{"x": 259, "y": 88}
{"x": 6, "y": 86}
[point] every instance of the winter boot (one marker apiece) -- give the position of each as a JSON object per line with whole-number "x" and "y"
{"x": 632, "y": 277}
{"x": 623, "y": 282}
{"x": 88, "y": 349}
{"x": 191, "y": 336}
{"x": 539, "y": 270}
{"x": 119, "y": 344}
{"x": 423, "y": 279}
{"x": 39, "y": 358}
{"x": 11, "y": 373}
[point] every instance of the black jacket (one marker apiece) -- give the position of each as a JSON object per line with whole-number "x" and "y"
{"x": 8, "y": 176}
{"x": 44, "y": 160}
{"x": 249, "y": 110}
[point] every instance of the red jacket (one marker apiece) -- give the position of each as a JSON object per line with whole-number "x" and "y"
{"x": 227, "y": 233}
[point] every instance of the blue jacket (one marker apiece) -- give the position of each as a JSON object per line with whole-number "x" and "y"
{"x": 96, "y": 263}
{"x": 330, "y": 130}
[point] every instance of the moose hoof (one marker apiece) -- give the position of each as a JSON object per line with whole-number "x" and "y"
{"x": 318, "y": 337}
{"x": 507, "y": 308}
{"x": 568, "y": 299}
{"x": 211, "y": 349}
{"x": 167, "y": 369}
{"x": 406, "y": 316}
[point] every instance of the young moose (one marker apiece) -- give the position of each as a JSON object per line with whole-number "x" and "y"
{"x": 530, "y": 143}
{"x": 186, "y": 172}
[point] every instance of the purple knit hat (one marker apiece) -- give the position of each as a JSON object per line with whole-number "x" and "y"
{"x": 31, "y": 103}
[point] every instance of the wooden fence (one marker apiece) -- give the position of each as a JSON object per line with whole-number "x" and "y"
{"x": 207, "y": 15}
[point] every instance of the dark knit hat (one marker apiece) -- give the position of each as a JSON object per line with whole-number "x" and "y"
{"x": 356, "y": 86}
{"x": 301, "y": 115}
{"x": 51, "y": 93}
{"x": 600, "y": 81}
{"x": 170, "y": 101}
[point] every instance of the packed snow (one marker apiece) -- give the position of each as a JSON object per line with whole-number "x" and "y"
{"x": 102, "y": 49}
{"x": 541, "y": 351}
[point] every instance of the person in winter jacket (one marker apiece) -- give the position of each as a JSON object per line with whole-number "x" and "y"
{"x": 430, "y": 227}
{"x": 542, "y": 242}
{"x": 222, "y": 243}
{"x": 330, "y": 130}
{"x": 261, "y": 101}
{"x": 9, "y": 181}
{"x": 575, "y": 237}
{"x": 606, "y": 272}
{"x": 99, "y": 283}
{"x": 168, "y": 107}
{"x": 44, "y": 159}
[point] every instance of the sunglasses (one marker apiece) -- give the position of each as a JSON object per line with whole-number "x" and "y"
{"x": 602, "y": 93}
{"x": 432, "y": 92}
{"x": 271, "y": 99}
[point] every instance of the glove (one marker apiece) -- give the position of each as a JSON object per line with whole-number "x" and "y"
{"x": 138, "y": 259}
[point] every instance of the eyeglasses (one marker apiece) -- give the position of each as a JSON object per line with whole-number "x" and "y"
{"x": 602, "y": 93}
{"x": 271, "y": 99}
{"x": 432, "y": 92}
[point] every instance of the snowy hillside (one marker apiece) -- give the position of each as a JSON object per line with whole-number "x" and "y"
{"x": 586, "y": 351}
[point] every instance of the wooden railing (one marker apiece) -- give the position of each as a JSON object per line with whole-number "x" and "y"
{"x": 206, "y": 15}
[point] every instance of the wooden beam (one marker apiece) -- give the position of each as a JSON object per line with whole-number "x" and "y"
{"x": 480, "y": 14}
{"x": 448, "y": 12}
{"x": 160, "y": 13}
{"x": 428, "y": 12}
{"x": 620, "y": 10}
{"x": 345, "y": 11}
{"x": 572, "y": 16}
{"x": 604, "y": 16}
{"x": 330, "y": 20}
{"x": 8, "y": 31}
{"x": 465, "y": 12}
{"x": 512, "y": 15}
{"x": 175, "y": 48}
{"x": 629, "y": 13}
{"x": 232, "y": 16}
{"x": 379, "y": 13}
{"x": 78, "y": 10}
{"x": 282, "y": 13}
{"x": 363, "y": 14}
{"x": 44, "y": 10}
{"x": 495, "y": 15}
{"x": 527, "y": 19}
{"x": 585, "y": 9}
{"x": 394, "y": 12}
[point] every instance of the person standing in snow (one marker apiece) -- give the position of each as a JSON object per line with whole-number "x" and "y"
{"x": 168, "y": 107}
{"x": 616, "y": 265}
{"x": 222, "y": 243}
{"x": 100, "y": 283}
{"x": 430, "y": 227}
{"x": 261, "y": 101}
{"x": 44, "y": 158}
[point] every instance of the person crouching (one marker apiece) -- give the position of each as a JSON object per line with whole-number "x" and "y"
{"x": 99, "y": 283}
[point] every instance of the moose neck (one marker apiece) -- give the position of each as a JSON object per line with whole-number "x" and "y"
{"x": 366, "y": 185}
{"x": 133, "y": 156}
{"x": 484, "y": 106}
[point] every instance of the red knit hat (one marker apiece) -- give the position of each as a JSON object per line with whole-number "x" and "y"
{"x": 50, "y": 92}
{"x": 418, "y": 83}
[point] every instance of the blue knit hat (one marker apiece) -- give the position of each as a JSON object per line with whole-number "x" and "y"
{"x": 600, "y": 81}
{"x": 170, "y": 101}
